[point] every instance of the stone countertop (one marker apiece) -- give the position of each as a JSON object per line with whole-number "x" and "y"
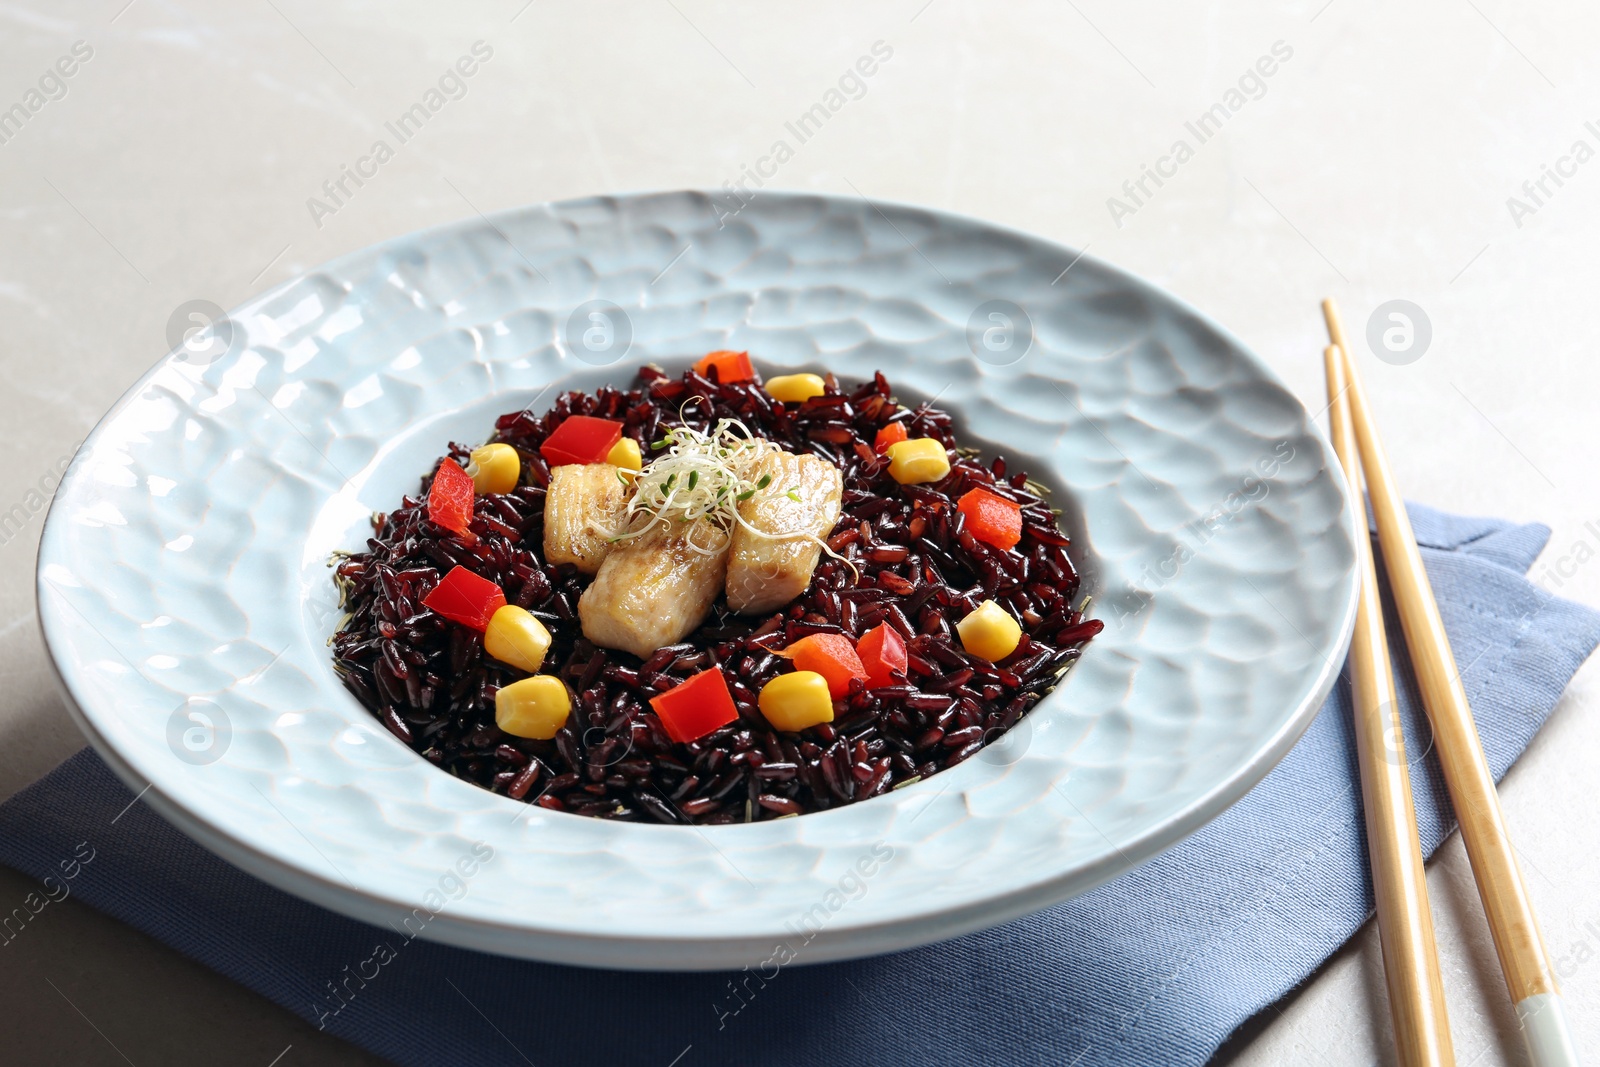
{"x": 1251, "y": 159}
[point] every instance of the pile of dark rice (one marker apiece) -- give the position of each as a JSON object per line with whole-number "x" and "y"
{"x": 429, "y": 681}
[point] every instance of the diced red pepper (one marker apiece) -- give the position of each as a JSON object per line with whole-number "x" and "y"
{"x": 891, "y": 434}
{"x": 831, "y": 655}
{"x": 581, "y": 439}
{"x": 692, "y": 709}
{"x": 463, "y": 597}
{"x": 450, "y": 497}
{"x": 883, "y": 652}
{"x": 993, "y": 519}
{"x": 731, "y": 366}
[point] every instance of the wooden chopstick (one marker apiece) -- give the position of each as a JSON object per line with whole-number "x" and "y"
{"x": 1405, "y": 922}
{"x": 1524, "y": 961}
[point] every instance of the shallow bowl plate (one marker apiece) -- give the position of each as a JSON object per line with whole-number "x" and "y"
{"x": 186, "y": 598}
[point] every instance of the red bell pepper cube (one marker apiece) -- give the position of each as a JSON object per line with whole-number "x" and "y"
{"x": 730, "y": 366}
{"x": 581, "y": 439}
{"x": 831, "y": 655}
{"x": 699, "y": 706}
{"x": 993, "y": 519}
{"x": 891, "y": 434}
{"x": 463, "y": 597}
{"x": 450, "y": 497}
{"x": 883, "y": 653}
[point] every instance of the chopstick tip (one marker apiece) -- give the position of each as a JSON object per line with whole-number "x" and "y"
{"x": 1330, "y": 318}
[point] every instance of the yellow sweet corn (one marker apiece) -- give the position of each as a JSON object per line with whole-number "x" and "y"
{"x": 796, "y": 700}
{"x": 495, "y": 468}
{"x": 625, "y": 454}
{"x": 795, "y": 388}
{"x": 517, "y": 638}
{"x": 990, "y": 632}
{"x": 535, "y": 707}
{"x": 919, "y": 460}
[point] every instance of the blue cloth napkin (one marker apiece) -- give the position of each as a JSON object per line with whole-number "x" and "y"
{"x": 1157, "y": 967}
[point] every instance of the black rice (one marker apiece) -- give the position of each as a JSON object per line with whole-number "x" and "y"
{"x": 911, "y": 564}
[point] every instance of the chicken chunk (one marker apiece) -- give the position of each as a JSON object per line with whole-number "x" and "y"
{"x": 654, "y": 590}
{"x": 584, "y": 508}
{"x": 765, "y": 573}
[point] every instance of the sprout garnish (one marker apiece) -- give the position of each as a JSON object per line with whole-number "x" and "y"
{"x": 702, "y": 475}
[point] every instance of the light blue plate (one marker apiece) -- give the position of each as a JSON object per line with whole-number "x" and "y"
{"x": 186, "y": 599}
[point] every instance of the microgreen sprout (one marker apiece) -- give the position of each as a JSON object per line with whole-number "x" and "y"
{"x": 702, "y": 475}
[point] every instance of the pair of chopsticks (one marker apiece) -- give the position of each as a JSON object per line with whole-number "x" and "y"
{"x": 1405, "y": 923}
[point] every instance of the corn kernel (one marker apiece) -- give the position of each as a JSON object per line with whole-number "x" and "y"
{"x": 625, "y": 454}
{"x": 535, "y": 707}
{"x": 795, "y": 701}
{"x": 495, "y": 468}
{"x": 795, "y": 388}
{"x": 919, "y": 460}
{"x": 990, "y": 632}
{"x": 515, "y": 637}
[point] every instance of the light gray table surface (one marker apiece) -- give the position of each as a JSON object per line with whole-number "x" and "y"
{"x": 1377, "y": 162}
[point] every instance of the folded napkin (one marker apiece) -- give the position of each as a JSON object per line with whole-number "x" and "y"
{"x": 1157, "y": 967}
